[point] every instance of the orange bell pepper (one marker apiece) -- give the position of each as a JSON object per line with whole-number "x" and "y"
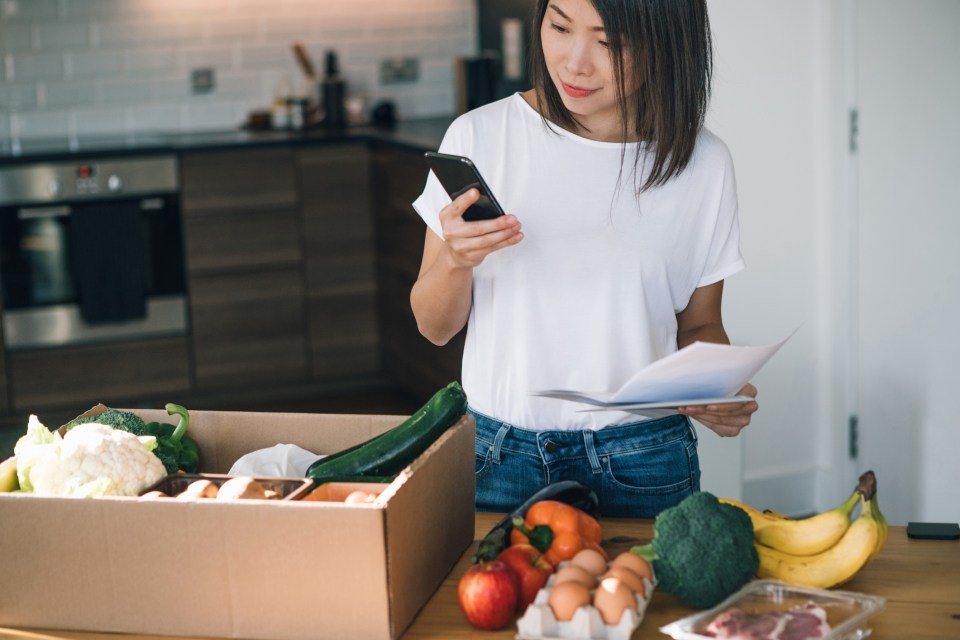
{"x": 558, "y": 530}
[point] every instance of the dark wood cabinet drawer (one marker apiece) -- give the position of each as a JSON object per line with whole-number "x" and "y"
{"x": 344, "y": 336}
{"x": 339, "y": 254}
{"x": 414, "y": 363}
{"x": 248, "y": 328}
{"x": 337, "y": 218}
{"x": 400, "y": 175}
{"x": 4, "y": 393}
{"x": 250, "y": 179}
{"x": 243, "y": 240}
{"x": 407, "y": 357}
{"x": 110, "y": 373}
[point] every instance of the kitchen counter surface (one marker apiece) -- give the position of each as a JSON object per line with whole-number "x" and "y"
{"x": 919, "y": 578}
{"x": 423, "y": 134}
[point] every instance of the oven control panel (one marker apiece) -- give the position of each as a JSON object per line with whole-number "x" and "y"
{"x": 54, "y": 182}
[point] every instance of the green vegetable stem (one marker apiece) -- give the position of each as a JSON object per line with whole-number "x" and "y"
{"x": 176, "y": 450}
{"x": 541, "y": 536}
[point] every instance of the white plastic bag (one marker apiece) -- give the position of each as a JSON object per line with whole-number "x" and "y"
{"x": 278, "y": 461}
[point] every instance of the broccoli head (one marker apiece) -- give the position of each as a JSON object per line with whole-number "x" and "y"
{"x": 702, "y": 550}
{"x": 123, "y": 420}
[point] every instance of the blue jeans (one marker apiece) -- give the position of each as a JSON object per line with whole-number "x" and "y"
{"x": 637, "y": 469}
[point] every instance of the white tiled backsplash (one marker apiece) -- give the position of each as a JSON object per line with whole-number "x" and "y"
{"x": 87, "y": 67}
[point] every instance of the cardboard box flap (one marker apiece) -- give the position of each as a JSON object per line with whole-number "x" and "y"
{"x": 427, "y": 537}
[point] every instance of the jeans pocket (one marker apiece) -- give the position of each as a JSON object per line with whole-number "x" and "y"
{"x": 482, "y": 461}
{"x": 643, "y": 482}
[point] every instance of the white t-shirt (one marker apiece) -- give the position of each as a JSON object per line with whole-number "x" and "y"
{"x": 590, "y": 295}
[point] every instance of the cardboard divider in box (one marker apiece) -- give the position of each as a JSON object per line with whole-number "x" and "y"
{"x": 284, "y": 488}
{"x": 275, "y": 570}
{"x": 338, "y": 491}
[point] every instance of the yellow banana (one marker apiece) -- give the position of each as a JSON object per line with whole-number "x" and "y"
{"x": 8, "y": 475}
{"x": 804, "y": 537}
{"x": 770, "y": 513}
{"x": 882, "y": 523}
{"x": 829, "y": 568}
{"x": 759, "y": 518}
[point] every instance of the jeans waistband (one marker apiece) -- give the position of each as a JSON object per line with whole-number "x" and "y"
{"x": 644, "y": 433}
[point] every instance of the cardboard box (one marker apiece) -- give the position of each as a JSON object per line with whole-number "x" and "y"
{"x": 283, "y": 570}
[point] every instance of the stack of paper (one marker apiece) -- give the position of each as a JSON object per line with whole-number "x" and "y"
{"x": 699, "y": 374}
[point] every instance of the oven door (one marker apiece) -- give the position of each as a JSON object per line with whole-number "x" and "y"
{"x": 41, "y": 305}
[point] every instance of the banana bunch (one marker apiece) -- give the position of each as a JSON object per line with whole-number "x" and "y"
{"x": 824, "y": 550}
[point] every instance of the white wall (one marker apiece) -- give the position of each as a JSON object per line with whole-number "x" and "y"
{"x": 767, "y": 106}
{"x": 91, "y": 67}
{"x": 858, "y": 247}
{"x": 909, "y": 263}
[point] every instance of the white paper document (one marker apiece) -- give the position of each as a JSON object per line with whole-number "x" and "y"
{"x": 699, "y": 374}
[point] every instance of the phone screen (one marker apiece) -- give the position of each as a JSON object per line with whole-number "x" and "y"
{"x": 458, "y": 174}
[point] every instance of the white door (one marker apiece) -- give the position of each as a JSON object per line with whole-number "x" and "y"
{"x": 908, "y": 312}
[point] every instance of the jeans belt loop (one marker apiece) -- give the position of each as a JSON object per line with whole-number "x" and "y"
{"x": 498, "y": 441}
{"x": 595, "y": 466}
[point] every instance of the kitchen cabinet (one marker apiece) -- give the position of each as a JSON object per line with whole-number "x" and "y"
{"x": 80, "y": 376}
{"x": 292, "y": 283}
{"x": 280, "y": 265}
{"x": 248, "y": 328}
{"x": 335, "y": 184}
{"x": 409, "y": 359}
{"x": 245, "y": 275}
{"x": 4, "y": 390}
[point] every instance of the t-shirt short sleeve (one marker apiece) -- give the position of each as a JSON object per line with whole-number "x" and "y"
{"x": 723, "y": 257}
{"x": 434, "y": 197}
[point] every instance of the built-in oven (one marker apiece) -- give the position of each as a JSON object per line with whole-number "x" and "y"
{"x": 91, "y": 251}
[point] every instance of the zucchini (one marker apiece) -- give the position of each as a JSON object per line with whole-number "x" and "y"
{"x": 366, "y": 479}
{"x": 567, "y": 491}
{"x": 388, "y": 453}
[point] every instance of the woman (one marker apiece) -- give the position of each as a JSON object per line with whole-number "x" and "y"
{"x": 629, "y": 228}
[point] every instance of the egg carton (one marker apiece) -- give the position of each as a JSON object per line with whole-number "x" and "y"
{"x": 539, "y": 623}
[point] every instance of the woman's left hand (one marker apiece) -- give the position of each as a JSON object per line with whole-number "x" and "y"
{"x": 725, "y": 419}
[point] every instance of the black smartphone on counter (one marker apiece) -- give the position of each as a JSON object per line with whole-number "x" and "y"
{"x": 458, "y": 174}
{"x": 933, "y": 530}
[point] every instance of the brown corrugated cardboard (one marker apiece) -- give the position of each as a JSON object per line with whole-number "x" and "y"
{"x": 259, "y": 569}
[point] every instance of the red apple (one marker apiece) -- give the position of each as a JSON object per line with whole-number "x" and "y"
{"x": 488, "y": 594}
{"x": 531, "y": 568}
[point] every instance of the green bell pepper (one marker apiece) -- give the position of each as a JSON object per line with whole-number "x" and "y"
{"x": 175, "y": 449}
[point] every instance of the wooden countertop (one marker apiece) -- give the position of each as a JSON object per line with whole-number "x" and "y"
{"x": 919, "y": 578}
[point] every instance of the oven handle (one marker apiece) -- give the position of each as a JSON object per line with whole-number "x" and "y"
{"x": 43, "y": 212}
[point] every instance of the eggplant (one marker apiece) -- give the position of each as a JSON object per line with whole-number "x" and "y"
{"x": 569, "y": 492}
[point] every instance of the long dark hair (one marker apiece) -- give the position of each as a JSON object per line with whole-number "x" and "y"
{"x": 671, "y": 63}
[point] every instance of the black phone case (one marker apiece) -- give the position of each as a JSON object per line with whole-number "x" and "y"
{"x": 457, "y": 174}
{"x": 933, "y": 530}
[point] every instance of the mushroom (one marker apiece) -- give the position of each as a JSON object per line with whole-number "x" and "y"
{"x": 198, "y": 489}
{"x": 242, "y": 488}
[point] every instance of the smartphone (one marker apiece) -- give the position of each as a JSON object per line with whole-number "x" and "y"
{"x": 933, "y": 530}
{"x": 458, "y": 174}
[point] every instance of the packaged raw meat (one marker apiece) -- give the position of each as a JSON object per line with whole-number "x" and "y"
{"x": 774, "y": 610}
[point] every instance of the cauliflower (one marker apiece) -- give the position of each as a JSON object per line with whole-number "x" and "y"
{"x": 91, "y": 460}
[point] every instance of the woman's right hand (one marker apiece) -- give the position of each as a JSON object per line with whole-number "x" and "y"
{"x": 468, "y": 243}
